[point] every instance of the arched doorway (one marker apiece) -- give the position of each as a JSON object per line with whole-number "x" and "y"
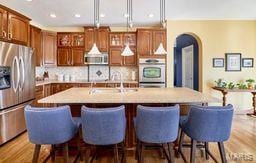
{"x": 188, "y": 62}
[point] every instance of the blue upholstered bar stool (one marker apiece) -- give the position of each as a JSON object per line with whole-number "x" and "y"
{"x": 157, "y": 125}
{"x": 50, "y": 126}
{"x": 104, "y": 126}
{"x": 207, "y": 124}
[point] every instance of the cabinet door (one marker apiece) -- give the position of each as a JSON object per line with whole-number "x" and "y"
{"x": 102, "y": 39}
{"x": 49, "y": 48}
{"x": 130, "y": 60}
{"x": 130, "y": 38}
{"x": 88, "y": 38}
{"x": 3, "y": 23}
{"x": 64, "y": 39}
{"x": 115, "y": 58}
{"x": 115, "y": 39}
{"x": 144, "y": 42}
{"x": 77, "y": 40}
{"x": 18, "y": 29}
{"x": 159, "y": 36}
{"x": 36, "y": 43}
{"x": 64, "y": 57}
{"x": 78, "y": 56}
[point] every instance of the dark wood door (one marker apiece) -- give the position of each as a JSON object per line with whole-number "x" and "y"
{"x": 115, "y": 58}
{"x": 36, "y": 44}
{"x": 144, "y": 42}
{"x": 3, "y": 23}
{"x": 102, "y": 39}
{"x": 78, "y": 56}
{"x": 64, "y": 57}
{"x": 49, "y": 48}
{"x": 159, "y": 36}
{"x": 88, "y": 38}
{"x": 130, "y": 60}
{"x": 18, "y": 29}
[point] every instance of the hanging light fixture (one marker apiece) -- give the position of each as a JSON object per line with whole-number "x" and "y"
{"x": 127, "y": 51}
{"x": 94, "y": 50}
{"x": 160, "y": 50}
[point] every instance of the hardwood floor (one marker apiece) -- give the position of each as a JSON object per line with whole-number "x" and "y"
{"x": 241, "y": 145}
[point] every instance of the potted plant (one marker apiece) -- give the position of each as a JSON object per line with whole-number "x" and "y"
{"x": 250, "y": 83}
{"x": 231, "y": 85}
{"x": 241, "y": 85}
{"x": 219, "y": 83}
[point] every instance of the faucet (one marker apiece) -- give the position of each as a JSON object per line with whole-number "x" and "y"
{"x": 92, "y": 90}
{"x": 121, "y": 79}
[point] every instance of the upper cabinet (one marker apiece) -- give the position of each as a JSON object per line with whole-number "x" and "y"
{"x": 148, "y": 40}
{"x": 14, "y": 27}
{"x": 117, "y": 41}
{"x": 36, "y": 44}
{"x": 70, "y": 50}
{"x": 99, "y": 36}
{"x": 49, "y": 48}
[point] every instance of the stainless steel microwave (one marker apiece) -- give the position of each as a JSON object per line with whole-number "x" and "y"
{"x": 96, "y": 59}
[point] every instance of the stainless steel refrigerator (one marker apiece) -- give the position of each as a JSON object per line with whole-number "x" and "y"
{"x": 17, "y": 88}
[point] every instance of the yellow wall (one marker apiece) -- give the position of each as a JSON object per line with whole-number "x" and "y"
{"x": 218, "y": 38}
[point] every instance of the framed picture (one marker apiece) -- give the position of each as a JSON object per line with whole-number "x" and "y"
{"x": 247, "y": 62}
{"x": 218, "y": 62}
{"x": 233, "y": 61}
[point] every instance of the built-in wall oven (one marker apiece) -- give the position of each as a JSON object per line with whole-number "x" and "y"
{"x": 151, "y": 72}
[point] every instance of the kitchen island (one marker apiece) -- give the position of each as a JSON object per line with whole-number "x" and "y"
{"x": 130, "y": 97}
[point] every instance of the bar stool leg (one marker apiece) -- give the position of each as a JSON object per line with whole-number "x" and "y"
{"x": 171, "y": 152}
{"x": 116, "y": 157}
{"x": 66, "y": 153}
{"x": 193, "y": 151}
{"x": 206, "y": 150}
{"x": 53, "y": 153}
{"x": 36, "y": 153}
{"x": 222, "y": 152}
{"x": 124, "y": 153}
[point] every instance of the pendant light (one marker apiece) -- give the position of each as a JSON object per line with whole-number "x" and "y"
{"x": 94, "y": 50}
{"x": 160, "y": 50}
{"x": 127, "y": 51}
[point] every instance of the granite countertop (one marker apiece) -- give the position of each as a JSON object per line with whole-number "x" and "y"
{"x": 38, "y": 83}
{"x": 142, "y": 95}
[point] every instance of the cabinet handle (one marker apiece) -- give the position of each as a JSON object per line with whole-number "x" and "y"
{"x": 10, "y": 35}
{"x": 4, "y": 34}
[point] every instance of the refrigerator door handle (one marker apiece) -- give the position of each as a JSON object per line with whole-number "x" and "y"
{"x": 21, "y": 62}
{"x": 15, "y": 66}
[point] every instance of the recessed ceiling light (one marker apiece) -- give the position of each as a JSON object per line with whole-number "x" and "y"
{"x": 53, "y": 15}
{"x": 29, "y": 0}
{"x": 151, "y": 15}
{"x": 102, "y": 15}
{"x": 77, "y": 15}
{"x": 126, "y": 15}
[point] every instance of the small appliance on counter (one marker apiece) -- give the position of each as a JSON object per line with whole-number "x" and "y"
{"x": 152, "y": 72}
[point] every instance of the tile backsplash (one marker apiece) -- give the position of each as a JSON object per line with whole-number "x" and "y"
{"x": 85, "y": 73}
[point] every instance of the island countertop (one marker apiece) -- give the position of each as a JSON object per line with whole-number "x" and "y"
{"x": 142, "y": 95}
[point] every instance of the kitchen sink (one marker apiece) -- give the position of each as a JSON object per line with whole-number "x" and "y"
{"x": 117, "y": 90}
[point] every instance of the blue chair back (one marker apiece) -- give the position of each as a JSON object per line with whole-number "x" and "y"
{"x": 209, "y": 124}
{"x": 50, "y": 125}
{"x": 103, "y": 126}
{"x": 157, "y": 124}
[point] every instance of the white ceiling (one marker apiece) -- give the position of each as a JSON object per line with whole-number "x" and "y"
{"x": 39, "y": 10}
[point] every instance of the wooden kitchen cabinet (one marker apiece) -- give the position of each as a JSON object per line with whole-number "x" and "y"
{"x": 64, "y": 39}
{"x": 118, "y": 40}
{"x": 38, "y": 95}
{"x": 3, "y": 23}
{"x": 78, "y": 56}
{"x": 49, "y": 48}
{"x": 64, "y": 57}
{"x": 36, "y": 44}
{"x": 14, "y": 27}
{"x": 148, "y": 41}
{"x": 98, "y": 36}
{"x": 77, "y": 40}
